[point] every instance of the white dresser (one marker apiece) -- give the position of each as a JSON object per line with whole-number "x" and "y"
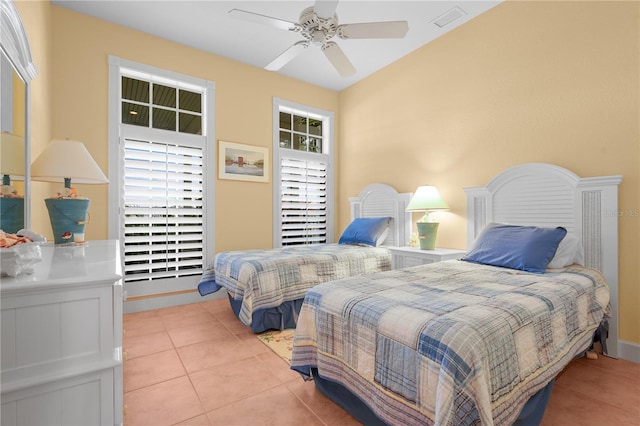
{"x": 62, "y": 339}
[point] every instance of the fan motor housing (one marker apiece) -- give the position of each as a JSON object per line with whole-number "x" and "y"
{"x": 316, "y": 29}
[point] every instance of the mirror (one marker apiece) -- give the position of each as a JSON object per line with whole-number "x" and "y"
{"x": 16, "y": 72}
{"x": 12, "y": 148}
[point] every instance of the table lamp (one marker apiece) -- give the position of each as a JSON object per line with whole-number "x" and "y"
{"x": 64, "y": 160}
{"x": 427, "y": 199}
{"x": 11, "y": 166}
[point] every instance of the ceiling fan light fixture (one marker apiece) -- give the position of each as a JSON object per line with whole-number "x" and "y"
{"x": 318, "y": 25}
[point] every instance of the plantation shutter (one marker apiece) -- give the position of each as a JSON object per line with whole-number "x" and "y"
{"x": 303, "y": 177}
{"x": 304, "y": 201}
{"x": 163, "y": 210}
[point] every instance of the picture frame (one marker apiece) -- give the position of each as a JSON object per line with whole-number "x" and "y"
{"x": 238, "y": 161}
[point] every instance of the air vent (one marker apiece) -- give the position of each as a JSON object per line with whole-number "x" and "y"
{"x": 449, "y": 16}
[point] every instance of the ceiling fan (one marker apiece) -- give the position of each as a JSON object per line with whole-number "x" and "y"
{"x": 318, "y": 25}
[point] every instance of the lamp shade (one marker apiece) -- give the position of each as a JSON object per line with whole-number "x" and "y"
{"x": 426, "y": 198}
{"x": 11, "y": 155}
{"x": 67, "y": 159}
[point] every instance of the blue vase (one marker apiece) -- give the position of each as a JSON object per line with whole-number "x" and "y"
{"x": 11, "y": 214}
{"x": 68, "y": 217}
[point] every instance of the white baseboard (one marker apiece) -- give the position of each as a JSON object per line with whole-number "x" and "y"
{"x": 146, "y": 304}
{"x": 629, "y": 351}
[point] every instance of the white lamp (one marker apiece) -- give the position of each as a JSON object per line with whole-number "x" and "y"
{"x": 427, "y": 199}
{"x": 11, "y": 166}
{"x": 64, "y": 160}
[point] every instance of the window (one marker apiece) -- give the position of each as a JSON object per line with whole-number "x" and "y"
{"x": 160, "y": 106}
{"x": 303, "y": 200}
{"x": 300, "y": 132}
{"x": 163, "y": 210}
{"x": 162, "y": 179}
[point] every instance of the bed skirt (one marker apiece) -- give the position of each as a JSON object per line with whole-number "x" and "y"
{"x": 278, "y": 318}
{"x": 531, "y": 414}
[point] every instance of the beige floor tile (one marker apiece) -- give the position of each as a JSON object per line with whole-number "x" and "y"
{"x": 252, "y": 344}
{"x": 613, "y": 367}
{"x": 144, "y": 325}
{"x": 235, "y": 326}
{"x": 217, "y": 306}
{"x": 277, "y": 406}
{"x": 181, "y": 309}
{"x": 146, "y": 344}
{"x": 187, "y": 318}
{"x": 223, "y": 311}
{"x": 225, "y": 384}
{"x": 165, "y": 403}
{"x": 567, "y": 407}
{"x": 278, "y": 367}
{"x": 322, "y": 406}
{"x": 589, "y": 378}
{"x": 198, "y": 332}
{"x": 151, "y": 369}
{"x": 211, "y": 353}
{"x": 201, "y": 420}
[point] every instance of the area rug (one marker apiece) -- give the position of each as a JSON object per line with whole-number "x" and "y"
{"x": 279, "y": 341}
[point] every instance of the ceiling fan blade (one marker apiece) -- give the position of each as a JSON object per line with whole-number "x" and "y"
{"x": 390, "y": 29}
{"x": 325, "y": 8}
{"x": 263, "y": 19}
{"x": 287, "y": 56}
{"x": 339, "y": 60}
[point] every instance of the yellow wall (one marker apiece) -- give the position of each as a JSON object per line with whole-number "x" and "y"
{"x": 553, "y": 82}
{"x": 243, "y": 113}
{"x": 527, "y": 81}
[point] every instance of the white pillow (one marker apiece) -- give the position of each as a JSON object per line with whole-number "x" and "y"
{"x": 382, "y": 237}
{"x": 569, "y": 251}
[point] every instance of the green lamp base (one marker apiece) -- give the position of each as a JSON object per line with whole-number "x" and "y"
{"x": 427, "y": 232}
{"x": 68, "y": 217}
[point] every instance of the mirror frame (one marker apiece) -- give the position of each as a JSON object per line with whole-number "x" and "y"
{"x": 15, "y": 45}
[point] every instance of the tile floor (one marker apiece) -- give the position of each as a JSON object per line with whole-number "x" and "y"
{"x": 197, "y": 365}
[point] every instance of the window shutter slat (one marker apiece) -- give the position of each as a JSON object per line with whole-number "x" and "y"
{"x": 304, "y": 212}
{"x": 163, "y": 210}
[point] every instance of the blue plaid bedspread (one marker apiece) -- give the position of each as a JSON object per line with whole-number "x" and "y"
{"x": 267, "y": 278}
{"x": 450, "y": 343}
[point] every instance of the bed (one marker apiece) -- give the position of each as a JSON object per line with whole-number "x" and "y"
{"x": 466, "y": 342}
{"x": 266, "y": 287}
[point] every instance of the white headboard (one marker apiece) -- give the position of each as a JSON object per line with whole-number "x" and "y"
{"x": 543, "y": 194}
{"x": 381, "y": 200}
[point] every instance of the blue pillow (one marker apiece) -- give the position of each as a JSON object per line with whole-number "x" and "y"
{"x": 526, "y": 248}
{"x": 365, "y": 231}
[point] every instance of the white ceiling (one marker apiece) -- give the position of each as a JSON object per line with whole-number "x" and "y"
{"x": 206, "y": 25}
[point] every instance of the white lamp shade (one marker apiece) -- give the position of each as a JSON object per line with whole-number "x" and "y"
{"x": 67, "y": 159}
{"x": 11, "y": 155}
{"x": 427, "y": 198}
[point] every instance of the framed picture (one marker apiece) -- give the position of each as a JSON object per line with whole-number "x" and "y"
{"x": 243, "y": 162}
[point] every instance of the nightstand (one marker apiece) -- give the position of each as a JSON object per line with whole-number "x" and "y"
{"x": 405, "y": 257}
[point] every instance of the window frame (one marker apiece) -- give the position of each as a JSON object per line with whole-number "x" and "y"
{"x": 117, "y": 133}
{"x": 326, "y": 156}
